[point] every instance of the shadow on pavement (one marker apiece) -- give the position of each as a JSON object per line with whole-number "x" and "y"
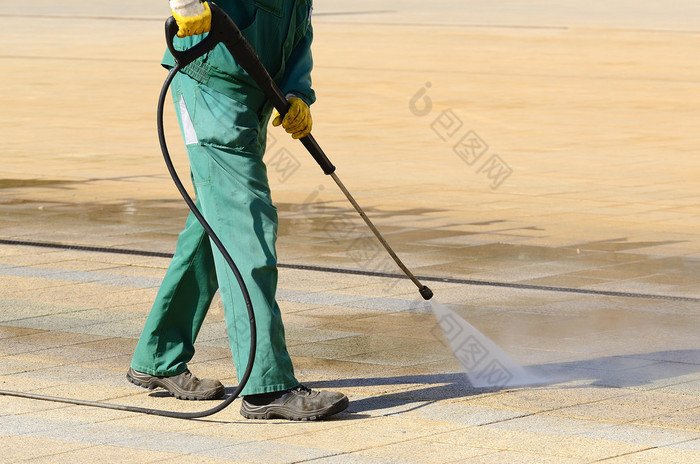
{"x": 650, "y": 369}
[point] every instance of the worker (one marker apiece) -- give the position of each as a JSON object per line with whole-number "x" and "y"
{"x": 223, "y": 117}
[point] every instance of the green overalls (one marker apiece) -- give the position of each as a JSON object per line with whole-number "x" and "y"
{"x": 223, "y": 118}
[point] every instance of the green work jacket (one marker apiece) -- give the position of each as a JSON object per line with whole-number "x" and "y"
{"x": 280, "y": 32}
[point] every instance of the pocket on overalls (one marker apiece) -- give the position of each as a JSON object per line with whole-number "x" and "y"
{"x": 223, "y": 121}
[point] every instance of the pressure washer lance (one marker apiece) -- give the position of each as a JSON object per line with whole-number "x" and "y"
{"x": 224, "y": 30}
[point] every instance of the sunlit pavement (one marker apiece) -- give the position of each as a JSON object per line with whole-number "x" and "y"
{"x": 537, "y": 169}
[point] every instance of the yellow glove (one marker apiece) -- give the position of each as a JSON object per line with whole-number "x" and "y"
{"x": 193, "y": 25}
{"x": 297, "y": 121}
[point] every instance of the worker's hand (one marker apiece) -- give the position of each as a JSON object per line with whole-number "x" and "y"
{"x": 193, "y": 18}
{"x": 297, "y": 121}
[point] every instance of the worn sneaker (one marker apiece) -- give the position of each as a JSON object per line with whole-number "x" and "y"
{"x": 300, "y": 403}
{"x": 183, "y": 386}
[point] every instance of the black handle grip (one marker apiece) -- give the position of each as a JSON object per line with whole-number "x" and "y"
{"x": 224, "y": 30}
{"x": 315, "y": 150}
{"x": 185, "y": 57}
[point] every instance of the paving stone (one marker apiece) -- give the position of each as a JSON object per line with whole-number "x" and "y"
{"x": 22, "y": 447}
{"x": 655, "y": 455}
{"x": 640, "y": 434}
{"x": 424, "y": 452}
{"x": 375, "y": 432}
{"x": 685, "y": 419}
{"x": 106, "y": 454}
{"x": 504, "y": 457}
{"x": 267, "y": 452}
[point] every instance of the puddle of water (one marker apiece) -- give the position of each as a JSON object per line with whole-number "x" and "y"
{"x": 484, "y": 362}
{"x": 113, "y": 213}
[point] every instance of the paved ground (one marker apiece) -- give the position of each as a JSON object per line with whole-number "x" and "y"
{"x": 540, "y": 158}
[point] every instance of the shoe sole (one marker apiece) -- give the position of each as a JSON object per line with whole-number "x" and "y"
{"x": 150, "y": 382}
{"x": 281, "y": 412}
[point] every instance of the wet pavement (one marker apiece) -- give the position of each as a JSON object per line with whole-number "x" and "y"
{"x": 536, "y": 168}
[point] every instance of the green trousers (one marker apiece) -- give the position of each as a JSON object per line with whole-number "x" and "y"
{"x": 225, "y": 143}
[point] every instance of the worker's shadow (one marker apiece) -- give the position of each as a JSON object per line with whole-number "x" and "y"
{"x": 651, "y": 369}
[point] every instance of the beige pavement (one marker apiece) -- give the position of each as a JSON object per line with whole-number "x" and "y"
{"x": 541, "y": 159}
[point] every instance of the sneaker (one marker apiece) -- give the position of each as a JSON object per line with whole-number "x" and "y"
{"x": 300, "y": 403}
{"x": 183, "y": 386}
